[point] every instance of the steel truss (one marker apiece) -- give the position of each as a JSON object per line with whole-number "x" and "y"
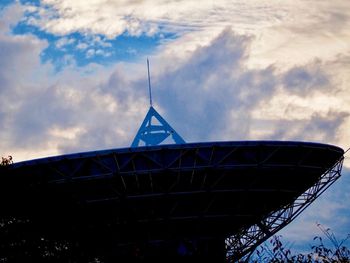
{"x": 242, "y": 244}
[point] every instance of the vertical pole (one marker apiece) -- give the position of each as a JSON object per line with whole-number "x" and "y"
{"x": 149, "y": 84}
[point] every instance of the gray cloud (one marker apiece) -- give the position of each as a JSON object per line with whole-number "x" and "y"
{"x": 20, "y": 59}
{"x": 124, "y": 90}
{"x": 305, "y": 79}
{"x": 328, "y": 125}
{"x": 318, "y": 127}
{"x": 37, "y": 114}
{"x": 213, "y": 88}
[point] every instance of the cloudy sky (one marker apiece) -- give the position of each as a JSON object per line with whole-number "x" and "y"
{"x": 73, "y": 77}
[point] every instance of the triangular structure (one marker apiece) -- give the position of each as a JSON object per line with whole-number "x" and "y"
{"x": 154, "y": 134}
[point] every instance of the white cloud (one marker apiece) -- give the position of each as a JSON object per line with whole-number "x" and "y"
{"x": 90, "y": 53}
{"x": 82, "y": 46}
{"x": 103, "y": 53}
{"x": 64, "y": 41}
{"x": 288, "y": 33}
{"x": 94, "y": 42}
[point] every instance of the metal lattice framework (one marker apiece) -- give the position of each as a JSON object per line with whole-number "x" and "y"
{"x": 153, "y": 134}
{"x": 150, "y": 134}
{"x": 247, "y": 239}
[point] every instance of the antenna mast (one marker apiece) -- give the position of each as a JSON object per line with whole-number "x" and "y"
{"x": 149, "y": 84}
{"x": 154, "y": 134}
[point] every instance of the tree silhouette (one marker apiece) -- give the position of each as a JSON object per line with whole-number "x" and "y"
{"x": 277, "y": 251}
{"x": 5, "y": 161}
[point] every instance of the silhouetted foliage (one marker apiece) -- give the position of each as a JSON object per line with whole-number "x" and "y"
{"x": 320, "y": 253}
{"x": 19, "y": 242}
{"x": 5, "y": 161}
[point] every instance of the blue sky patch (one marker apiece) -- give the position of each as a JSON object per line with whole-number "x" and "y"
{"x": 83, "y": 49}
{"x": 4, "y": 3}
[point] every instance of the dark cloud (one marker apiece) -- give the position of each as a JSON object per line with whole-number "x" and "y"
{"x": 125, "y": 91}
{"x": 213, "y": 91}
{"x": 328, "y": 124}
{"x": 305, "y": 80}
{"x": 318, "y": 127}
